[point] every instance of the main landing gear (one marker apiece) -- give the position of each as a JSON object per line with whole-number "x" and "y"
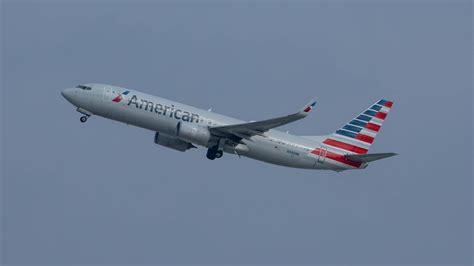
{"x": 83, "y": 119}
{"x": 213, "y": 153}
{"x": 216, "y": 151}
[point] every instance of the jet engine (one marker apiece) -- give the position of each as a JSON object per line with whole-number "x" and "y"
{"x": 193, "y": 133}
{"x": 172, "y": 142}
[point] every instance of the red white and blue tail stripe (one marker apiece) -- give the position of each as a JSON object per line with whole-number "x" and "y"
{"x": 356, "y": 136}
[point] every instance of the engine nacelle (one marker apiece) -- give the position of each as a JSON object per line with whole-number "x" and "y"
{"x": 172, "y": 142}
{"x": 193, "y": 133}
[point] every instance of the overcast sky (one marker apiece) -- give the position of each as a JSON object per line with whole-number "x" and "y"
{"x": 103, "y": 192}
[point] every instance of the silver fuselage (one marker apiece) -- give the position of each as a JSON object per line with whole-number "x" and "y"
{"x": 162, "y": 115}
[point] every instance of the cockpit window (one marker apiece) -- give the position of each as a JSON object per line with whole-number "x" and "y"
{"x": 84, "y": 87}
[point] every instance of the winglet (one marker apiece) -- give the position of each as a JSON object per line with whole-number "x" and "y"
{"x": 308, "y": 107}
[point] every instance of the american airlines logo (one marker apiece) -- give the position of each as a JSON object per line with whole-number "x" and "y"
{"x": 160, "y": 109}
{"x": 120, "y": 97}
{"x": 309, "y": 108}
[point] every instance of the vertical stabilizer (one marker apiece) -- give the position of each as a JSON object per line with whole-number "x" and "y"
{"x": 357, "y": 136}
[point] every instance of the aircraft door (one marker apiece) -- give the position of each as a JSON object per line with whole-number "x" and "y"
{"x": 107, "y": 94}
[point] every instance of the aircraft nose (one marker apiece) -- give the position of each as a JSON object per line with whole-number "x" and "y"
{"x": 68, "y": 94}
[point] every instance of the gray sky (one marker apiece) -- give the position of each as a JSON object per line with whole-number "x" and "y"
{"x": 102, "y": 192}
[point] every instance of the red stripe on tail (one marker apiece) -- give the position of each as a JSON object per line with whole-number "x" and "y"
{"x": 388, "y": 104}
{"x": 345, "y": 146}
{"x": 364, "y": 138}
{"x": 381, "y": 115}
{"x": 373, "y": 127}
{"x": 338, "y": 158}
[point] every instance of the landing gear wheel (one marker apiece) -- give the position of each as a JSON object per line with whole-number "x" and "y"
{"x": 210, "y": 155}
{"x": 219, "y": 154}
{"x": 83, "y": 119}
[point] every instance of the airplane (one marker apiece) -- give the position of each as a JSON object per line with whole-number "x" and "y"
{"x": 182, "y": 127}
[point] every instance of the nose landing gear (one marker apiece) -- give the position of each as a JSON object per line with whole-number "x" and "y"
{"x": 85, "y": 113}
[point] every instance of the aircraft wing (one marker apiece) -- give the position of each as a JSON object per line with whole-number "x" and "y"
{"x": 246, "y": 130}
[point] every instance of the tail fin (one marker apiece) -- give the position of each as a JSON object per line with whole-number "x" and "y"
{"x": 357, "y": 136}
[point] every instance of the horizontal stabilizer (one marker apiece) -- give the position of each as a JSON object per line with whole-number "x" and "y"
{"x": 366, "y": 158}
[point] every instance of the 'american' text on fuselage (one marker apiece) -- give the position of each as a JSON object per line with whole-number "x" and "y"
{"x": 161, "y": 109}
